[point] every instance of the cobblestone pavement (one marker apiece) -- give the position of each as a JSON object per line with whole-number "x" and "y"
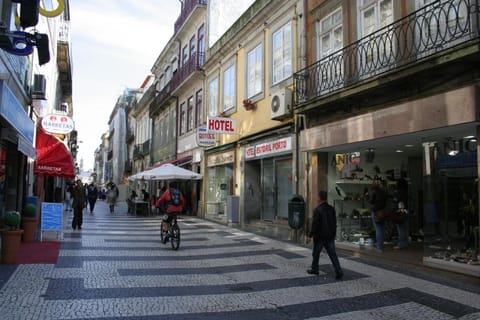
{"x": 116, "y": 268}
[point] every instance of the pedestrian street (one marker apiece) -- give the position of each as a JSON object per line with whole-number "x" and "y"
{"x": 117, "y": 268}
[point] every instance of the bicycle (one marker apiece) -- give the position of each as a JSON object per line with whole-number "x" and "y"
{"x": 173, "y": 232}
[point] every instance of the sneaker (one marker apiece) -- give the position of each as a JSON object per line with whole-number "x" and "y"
{"x": 339, "y": 276}
{"x": 311, "y": 271}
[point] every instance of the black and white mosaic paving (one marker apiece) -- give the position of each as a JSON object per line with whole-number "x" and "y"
{"x": 117, "y": 268}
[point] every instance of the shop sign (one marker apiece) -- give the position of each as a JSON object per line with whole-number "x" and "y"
{"x": 343, "y": 159}
{"x": 221, "y": 125}
{"x": 14, "y": 113}
{"x": 269, "y": 148}
{"x": 205, "y": 138}
{"x": 220, "y": 159}
{"x": 59, "y": 124}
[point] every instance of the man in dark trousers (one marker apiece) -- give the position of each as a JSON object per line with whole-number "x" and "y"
{"x": 79, "y": 200}
{"x": 323, "y": 232}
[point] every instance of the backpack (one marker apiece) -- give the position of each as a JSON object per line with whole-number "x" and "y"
{"x": 175, "y": 197}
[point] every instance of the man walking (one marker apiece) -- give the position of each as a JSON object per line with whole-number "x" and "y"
{"x": 78, "y": 194}
{"x": 92, "y": 195}
{"x": 323, "y": 232}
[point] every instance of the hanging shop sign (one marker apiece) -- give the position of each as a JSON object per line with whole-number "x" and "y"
{"x": 343, "y": 159}
{"x": 205, "y": 138}
{"x": 54, "y": 123}
{"x": 269, "y": 148}
{"x": 221, "y": 125}
{"x": 221, "y": 158}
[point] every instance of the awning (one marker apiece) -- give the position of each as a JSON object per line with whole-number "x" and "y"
{"x": 53, "y": 157}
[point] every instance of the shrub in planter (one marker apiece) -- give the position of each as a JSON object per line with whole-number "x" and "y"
{"x": 12, "y": 220}
{"x": 29, "y": 210}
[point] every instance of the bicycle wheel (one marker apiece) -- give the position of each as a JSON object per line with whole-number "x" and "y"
{"x": 175, "y": 236}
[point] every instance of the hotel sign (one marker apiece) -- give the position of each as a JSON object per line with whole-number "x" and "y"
{"x": 59, "y": 124}
{"x": 221, "y": 125}
{"x": 269, "y": 148}
{"x": 205, "y": 138}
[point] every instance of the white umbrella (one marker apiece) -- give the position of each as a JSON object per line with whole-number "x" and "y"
{"x": 166, "y": 172}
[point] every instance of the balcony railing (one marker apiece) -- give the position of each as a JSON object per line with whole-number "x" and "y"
{"x": 188, "y": 7}
{"x": 423, "y": 33}
{"x": 193, "y": 64}
{"x": 146, "y": 147}
{"x": 162, "y": 95}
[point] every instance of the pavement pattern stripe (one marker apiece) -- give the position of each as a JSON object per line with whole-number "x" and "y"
{"x": 77, "y": 261}
{"x": 73, "y": 288}
{"x": 195, "y": 271}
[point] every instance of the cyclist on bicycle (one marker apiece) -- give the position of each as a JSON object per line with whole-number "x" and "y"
{"x": 173, "y": 201}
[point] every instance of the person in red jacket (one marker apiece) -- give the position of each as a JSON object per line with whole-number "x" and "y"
{"x": 173, "y": 201}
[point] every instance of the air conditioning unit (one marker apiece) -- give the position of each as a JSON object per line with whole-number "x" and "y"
{"x": 281, "y": 104}
{"x": 39, "y": 86}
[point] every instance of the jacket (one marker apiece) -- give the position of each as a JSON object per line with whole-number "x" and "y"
{"x": 79, "y": 198}
{"x": 171, "y": 208}
{"x": 324, "y": 224}
{"x": 377, "y": 199}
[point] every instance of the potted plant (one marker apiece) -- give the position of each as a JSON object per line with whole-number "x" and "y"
{"x": 248, "y": 105}
{"x": 11, "y": 237}
{"x": 29, "y": 222}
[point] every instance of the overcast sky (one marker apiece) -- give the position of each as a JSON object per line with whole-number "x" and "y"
{"x": 115, "y": 43}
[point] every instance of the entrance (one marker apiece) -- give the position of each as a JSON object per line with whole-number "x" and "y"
{"x": 276, "y": 187}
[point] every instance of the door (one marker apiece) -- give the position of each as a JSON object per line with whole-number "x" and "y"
{"x": 283, "y": 175}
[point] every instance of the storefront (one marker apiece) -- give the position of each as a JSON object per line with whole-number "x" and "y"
{"x": 426, "y": 150}
{"x": 16, "y": 142}
{"x": 219, "y": 180}
{"x": 268, "y": 179}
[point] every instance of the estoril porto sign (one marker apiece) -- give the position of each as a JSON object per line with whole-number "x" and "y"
{"x": 58, "y": 124}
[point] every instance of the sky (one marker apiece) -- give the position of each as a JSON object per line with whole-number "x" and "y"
{"x": 114, "y": 45}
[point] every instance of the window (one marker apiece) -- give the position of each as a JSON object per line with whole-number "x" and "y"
{"x": 185, "y": 55}
{"x": 168, "y": 74}
{"x": 330, "y": 40}
{"x": 198, "y": 108}
{"x": 190, "y": 115}
{"x": 282, "y": 53}
{"x": 374, "y": 15}
{"x": 213, "y": 97}
{"x": 254, "y": 71}
{"x": 201, "y": 44}
{"x": 192, "y": 46}
{"x": 183, "y": 119}
{"x": 228, "y": 88}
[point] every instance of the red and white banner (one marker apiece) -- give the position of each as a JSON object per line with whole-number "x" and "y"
{"x": 59, "y": 124}
{"x": 221, "y": 125}
{"x": 269, "y": 148}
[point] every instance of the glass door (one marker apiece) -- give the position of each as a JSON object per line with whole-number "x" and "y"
{"x": 268, "y": 190}
{"x": 283, "y": 175}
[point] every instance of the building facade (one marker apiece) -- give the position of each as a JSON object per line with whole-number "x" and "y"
{"x": 391, "y": 92}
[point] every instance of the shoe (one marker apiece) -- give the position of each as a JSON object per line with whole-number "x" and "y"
{"x": 339, "y": 276}
{"x": 79, "y": 228}
{"x": 311, "y": 271}
{"x": 399, "y": 248}
{"x": 74, "y": 228}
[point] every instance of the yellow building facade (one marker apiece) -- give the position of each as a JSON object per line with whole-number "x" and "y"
{"x": 252, "y": 170}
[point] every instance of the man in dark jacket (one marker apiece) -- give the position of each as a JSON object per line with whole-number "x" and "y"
{"x": 79, "y": 200}
{"x": 323, "y": 232}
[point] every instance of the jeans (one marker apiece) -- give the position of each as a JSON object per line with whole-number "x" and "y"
{"x": 332, "y": 254}
{"x": 403, "y": 234}
{"x": 379, "y": 232}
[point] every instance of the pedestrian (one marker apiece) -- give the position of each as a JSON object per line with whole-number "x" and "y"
{"x": 78, "y": 194}
{"x": 92, "y": 195}
{"x": 378, "y": 203}
{"x": 146, "y": 195}
{"x": 112, "y": 195}
{"x": 68, "y": 197}
{"x": 323, "y": 232}
{"x": 173, "y": 201}
{"x": 401, "y": 198}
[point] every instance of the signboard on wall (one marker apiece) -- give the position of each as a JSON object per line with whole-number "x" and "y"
{"x": 269, "y": 148}
{"x": 205, "y": 138}
{"x": 221, "y": 158}
{"x": 59, "y": 124}
{"x": 221, "y": 125}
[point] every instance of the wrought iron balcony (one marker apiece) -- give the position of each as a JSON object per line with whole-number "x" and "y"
{"x": 187, "y": 8}
{"x": 193, "y": 64}
{"x": 161, "y": 97}
{"x": 146, "y": 147}
{"x": 432, "y": 29}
